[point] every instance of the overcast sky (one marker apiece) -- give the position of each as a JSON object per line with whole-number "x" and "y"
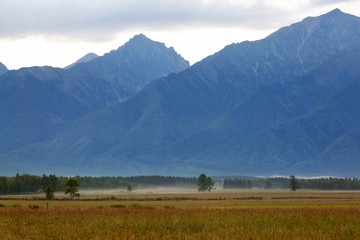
{"x": 58, "y": 32}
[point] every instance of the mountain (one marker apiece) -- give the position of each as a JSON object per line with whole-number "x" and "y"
{"x": 88, "y": 57}
{"x": 340, "y": 155}
{"x": 121, "y": 73}
{"x": 294, "y": 145}
{"x": 39, "y": 102}
{"x": 3, "y": 68}
{"x": 277, "y": 105}
{"x": 269, "y": 106}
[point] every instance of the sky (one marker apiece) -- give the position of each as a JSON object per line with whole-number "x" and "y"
{"x": 58, "y": 32}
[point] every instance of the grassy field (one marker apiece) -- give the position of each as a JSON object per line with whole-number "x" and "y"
{"x": 187, "y": 215}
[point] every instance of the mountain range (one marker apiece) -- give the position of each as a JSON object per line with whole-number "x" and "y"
{"x": 39, "y": 102}
{"x": 286, "y": 104}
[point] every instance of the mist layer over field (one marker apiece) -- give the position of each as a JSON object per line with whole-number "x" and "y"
{"x": 140, "y": 191}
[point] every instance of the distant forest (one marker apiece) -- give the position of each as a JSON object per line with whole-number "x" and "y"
{"x": 22, "y": 184}
{"x": 25, "y": 183}
{"x": 284, "y": 183}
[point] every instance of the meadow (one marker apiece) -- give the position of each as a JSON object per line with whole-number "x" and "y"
{"x": 252, "y": 214}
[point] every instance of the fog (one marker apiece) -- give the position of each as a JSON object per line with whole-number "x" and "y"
{"x": 138, "y": 191}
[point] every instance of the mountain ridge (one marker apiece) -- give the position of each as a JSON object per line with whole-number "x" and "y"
{"x": 285, "y": 90}
{"x": 56, "y": 97}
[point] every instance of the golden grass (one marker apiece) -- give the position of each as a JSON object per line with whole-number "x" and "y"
{"x": 279, "y": 215}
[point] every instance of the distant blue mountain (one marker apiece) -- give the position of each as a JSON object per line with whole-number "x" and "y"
{"x": 88, "y": 57}
{"x": 286, "y": 104}
{"x": 37, "y": 103}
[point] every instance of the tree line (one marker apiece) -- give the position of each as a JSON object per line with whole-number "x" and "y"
{"x": 26, "y": 183}
{"x": 161, "y": 180}
{"x": 284, "y": 183}
{"x": 237, "y": 183}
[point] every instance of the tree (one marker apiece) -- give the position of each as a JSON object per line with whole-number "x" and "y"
{"x": 129, "y": 188}
{"x": 268, "y": 185}
{"x": 51, "y": 180}
{"x": 49, "y": 192}
{"x": 293, "y": 183}
{"x": 210, "y": 184}
{"x": 3, "y": 185}
{"x": 205, "y": 183}
{"x": 72, "y": 185}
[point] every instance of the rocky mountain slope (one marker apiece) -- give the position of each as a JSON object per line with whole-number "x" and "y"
{"x": 37, "y": 103}
{"x": 281, "y": 105}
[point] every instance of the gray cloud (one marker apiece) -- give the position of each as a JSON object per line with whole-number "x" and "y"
{"x": 321, "y": 2}
{"x": 96, "y": 20}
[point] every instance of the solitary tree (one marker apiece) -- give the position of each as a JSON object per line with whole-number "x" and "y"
{"x": 49, "y": 193}
{"x": 293, "y": 183}
{"x": 205, "y": 183}
{"x": 72, "y": 187}
{"x": 129, "y": 188}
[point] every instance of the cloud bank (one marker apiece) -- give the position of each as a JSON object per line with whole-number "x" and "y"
{"x": 98, "y": 20}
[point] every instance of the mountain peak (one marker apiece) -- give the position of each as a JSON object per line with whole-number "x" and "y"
{"x": 336, "y": 11}
{"x": 334, "y": 15}
{"x": 139, "y": 39}
{"x": 88, "y": 57}
{"x": 140, "y": 45}
{"x": 337, "y": 14}
{"x": 140, "y": 36}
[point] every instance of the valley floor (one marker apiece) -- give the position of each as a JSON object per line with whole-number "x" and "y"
{"x": 256, "y": 214}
